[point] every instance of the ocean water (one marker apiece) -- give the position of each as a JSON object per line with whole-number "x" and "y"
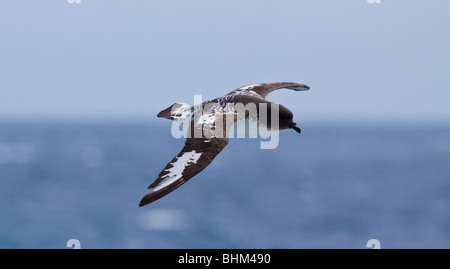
{"x": 332, "y": 186}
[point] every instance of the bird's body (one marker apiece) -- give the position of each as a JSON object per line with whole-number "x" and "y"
{"x": 209, "y": 124}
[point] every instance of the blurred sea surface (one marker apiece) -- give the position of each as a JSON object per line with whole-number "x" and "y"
{"x": 332, "y": 186}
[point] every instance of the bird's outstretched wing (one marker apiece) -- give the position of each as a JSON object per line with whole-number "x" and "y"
{"x": 195, "y": 156}
{"x": 206, "y": 137}
{"x": 263, "y": 89}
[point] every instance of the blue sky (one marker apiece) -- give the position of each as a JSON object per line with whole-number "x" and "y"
{"x": 386, "y": 62}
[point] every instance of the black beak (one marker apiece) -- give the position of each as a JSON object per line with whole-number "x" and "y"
{"x": 294, "y": 126}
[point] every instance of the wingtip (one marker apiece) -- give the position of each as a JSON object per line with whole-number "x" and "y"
{"x": 299, "y": 87}
{"x": 147, "y": 199}
{"x": 144, "y": 201}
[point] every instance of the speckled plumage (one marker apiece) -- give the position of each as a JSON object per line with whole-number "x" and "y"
{"x": 206, "y": 138}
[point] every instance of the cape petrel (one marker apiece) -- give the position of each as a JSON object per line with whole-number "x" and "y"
{"x": 208, "y": 130}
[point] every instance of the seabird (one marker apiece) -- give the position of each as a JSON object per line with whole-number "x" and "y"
{"x": 200, "y": 150}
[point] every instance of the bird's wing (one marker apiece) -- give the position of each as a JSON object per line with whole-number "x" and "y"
{"x": 195, "y": 156}
{"x": 263, "y": 89}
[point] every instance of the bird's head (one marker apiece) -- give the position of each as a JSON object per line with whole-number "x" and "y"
{"x": 286, "y": 119}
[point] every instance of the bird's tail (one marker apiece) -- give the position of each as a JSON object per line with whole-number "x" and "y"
{"x": 177, "y": 111}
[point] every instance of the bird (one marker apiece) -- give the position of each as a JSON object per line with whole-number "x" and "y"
{"x": 208, "y": 127}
